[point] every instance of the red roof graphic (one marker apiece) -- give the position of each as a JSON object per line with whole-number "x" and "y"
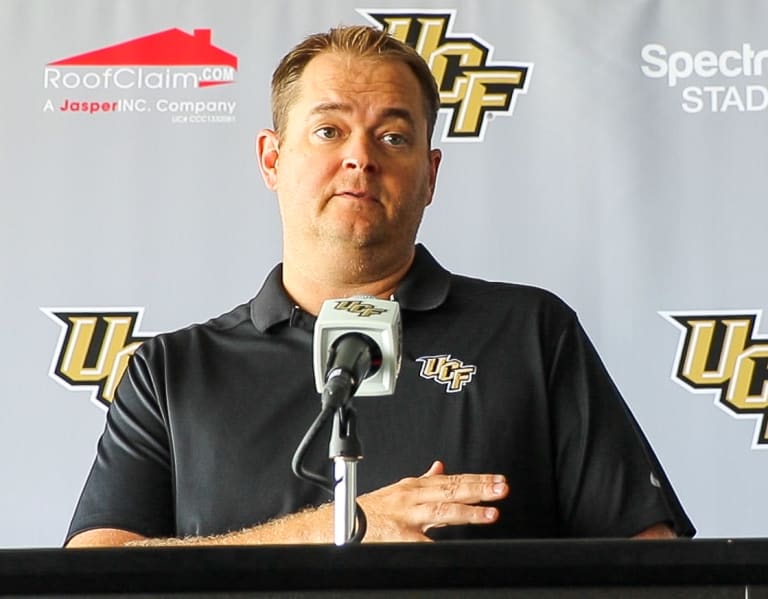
{"x": 172, "y": 47}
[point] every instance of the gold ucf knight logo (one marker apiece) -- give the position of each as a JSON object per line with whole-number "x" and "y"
{"x": 472, "y": 86}
{"x": 94, "y": 348}
{"x": 444, "y": 369}
{"x": 720, "y": 353}
{"x": 358, "y": 308}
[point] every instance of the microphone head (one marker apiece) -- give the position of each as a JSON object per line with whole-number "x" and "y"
{"x": 375, "y": 318}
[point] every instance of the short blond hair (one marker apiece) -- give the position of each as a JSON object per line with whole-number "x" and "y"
{"x": 359, "y": 41}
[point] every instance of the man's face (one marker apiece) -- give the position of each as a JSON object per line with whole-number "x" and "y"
{"x": 352, "y": 166}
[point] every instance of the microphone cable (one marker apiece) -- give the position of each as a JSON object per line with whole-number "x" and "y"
{"x": 324, "y": 482}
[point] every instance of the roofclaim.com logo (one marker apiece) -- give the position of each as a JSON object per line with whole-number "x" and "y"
{"x": 170, "y": 72}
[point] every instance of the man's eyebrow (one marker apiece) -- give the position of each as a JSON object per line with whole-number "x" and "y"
{"x": 326, "y": 107}
{"x": 400, "y": 113}
{"x": 387, "y": 113}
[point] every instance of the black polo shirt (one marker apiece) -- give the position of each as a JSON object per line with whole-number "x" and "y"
{"x": 495, "y": 378}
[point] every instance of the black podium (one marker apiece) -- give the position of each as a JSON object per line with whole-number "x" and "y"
{"x": 537, "y": 569}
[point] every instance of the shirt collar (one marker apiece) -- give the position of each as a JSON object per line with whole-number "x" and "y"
{"x": 424, "y": 287}
{"x": 426, "y": 284}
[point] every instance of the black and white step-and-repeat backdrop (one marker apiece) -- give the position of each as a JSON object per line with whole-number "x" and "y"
{"x": 613, "y": 152}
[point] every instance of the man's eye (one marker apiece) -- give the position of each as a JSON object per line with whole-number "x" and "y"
{"x": 327, "y": 133}
{"x": 394, "y": 139}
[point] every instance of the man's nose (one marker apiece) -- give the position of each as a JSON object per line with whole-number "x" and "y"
{"x": 359, "y": 153}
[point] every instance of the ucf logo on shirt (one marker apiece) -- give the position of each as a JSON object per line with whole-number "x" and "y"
{"x": 446, "y": 370}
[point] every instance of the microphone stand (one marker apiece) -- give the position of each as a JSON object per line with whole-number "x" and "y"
{"x": 345, "y": 450}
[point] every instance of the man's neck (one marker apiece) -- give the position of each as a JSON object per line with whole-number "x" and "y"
{"x": 311, "y": 280}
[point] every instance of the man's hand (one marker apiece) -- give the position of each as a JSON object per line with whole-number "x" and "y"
{"x": 400, "y": 512}
{"x": 405, "y": 510}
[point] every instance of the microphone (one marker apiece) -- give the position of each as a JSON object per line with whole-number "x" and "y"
{"x": 357, "y": 346}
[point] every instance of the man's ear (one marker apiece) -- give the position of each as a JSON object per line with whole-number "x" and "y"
{"x": 435, "y": 156}
{"x": 267, "y": 151}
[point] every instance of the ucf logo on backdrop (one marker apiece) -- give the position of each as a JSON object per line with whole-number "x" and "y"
{"x": 94, "y": 348}
{"x": 721, "y": 353}
{"x": 472, "y": 86}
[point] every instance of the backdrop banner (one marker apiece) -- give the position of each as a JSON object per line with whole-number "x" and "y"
{"x": 611, "y": 152}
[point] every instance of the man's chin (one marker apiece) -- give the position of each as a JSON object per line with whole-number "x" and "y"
{"x": 358, "y": 236}
{"x": 361, "y": 243}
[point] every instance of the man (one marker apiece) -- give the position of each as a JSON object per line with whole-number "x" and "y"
{"x": 538, "y": 442}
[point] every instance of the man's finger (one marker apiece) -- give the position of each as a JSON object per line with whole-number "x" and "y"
{"x": 461, "y": 489}
{"x": 436, "y": 468}
{"x": 440, "y": 479}
{"x": 436, "y": 515}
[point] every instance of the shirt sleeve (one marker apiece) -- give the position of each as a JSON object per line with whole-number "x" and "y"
{"x": 610, "y": 483}
{"x": 130, "y": 484}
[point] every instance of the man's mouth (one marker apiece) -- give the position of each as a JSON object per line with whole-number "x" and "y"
{"x": 357, "y": 194}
